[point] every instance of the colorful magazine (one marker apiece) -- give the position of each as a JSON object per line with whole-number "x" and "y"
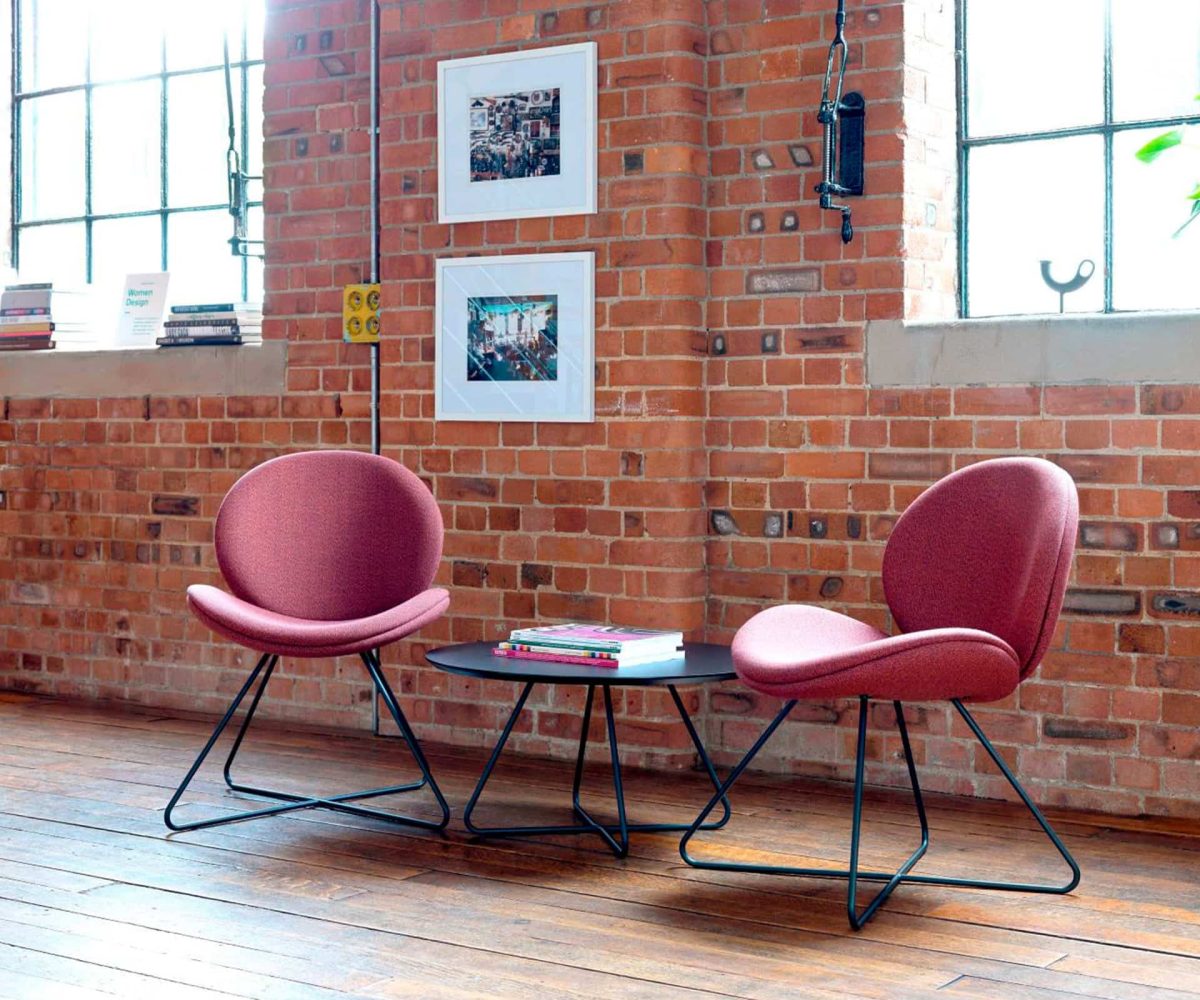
{"x": 609, "y": 638}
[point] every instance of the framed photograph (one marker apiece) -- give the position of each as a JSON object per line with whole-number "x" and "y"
{"x": 517, "y": 134}
{"x": 515, "y": 338}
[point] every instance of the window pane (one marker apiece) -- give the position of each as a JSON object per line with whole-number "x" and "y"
{"x": 52, "y": 179}
{"x": 1152, "y": 269}
{"x": 127, "y": 38}
{"x": 53, "y": 253}
{"x": 202, "y": 265}
{"x": 1156, "y": 59}
{"x": 254, "y": 114}
{"x": 256, "y": 21}
{"x": 197, "y": 138}
{"x": 54, "y": 37}
{"x": 196, "y": 33}
{"x": 1016, "y": 220}
{"x": 1034, "y": 65}
{"x": 254, "y": 264}
{"x": 124, "y": 246}
{"x": 126, "y": 153}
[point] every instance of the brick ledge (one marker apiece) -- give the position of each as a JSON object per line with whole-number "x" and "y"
{"x": 248, "y": 370}
{"x": 1119, "y": 349}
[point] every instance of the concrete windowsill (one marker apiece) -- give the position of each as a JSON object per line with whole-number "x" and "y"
{"x": 1059, "y": 350}
{"x": 246, "y": 370}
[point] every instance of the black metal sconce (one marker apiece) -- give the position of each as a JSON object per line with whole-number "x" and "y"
{"x": 843, "y": 119}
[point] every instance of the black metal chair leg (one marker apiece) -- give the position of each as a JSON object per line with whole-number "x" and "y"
{"x": 705, "y": 760}
{"x": 1047, "y": 829}
{"x": 721, "y": 794}
{"x": 375, "y": 669}
{"x": 226, "y": 771}
{"x": 291, "y": 802}
{"x": 168, "y": 813}
{"x": 859, "y": 920}
{"x": 891, "y": 880}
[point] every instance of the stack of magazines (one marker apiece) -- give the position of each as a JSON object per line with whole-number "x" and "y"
{"x": 592, "y": 645}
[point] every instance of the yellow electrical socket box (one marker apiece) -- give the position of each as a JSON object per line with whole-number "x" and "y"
{"x": 360, "y": 314}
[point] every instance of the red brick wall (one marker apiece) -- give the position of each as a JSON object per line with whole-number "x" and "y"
{"x": 738, "y": 458}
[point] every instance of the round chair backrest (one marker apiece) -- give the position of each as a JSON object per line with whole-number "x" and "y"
{"x": 989, "y": 547}
{"x": 328, "y": 535}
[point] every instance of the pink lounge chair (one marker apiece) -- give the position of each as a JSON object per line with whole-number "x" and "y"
{"x": 974, "y": 574}
{"x": 326, "y": 553}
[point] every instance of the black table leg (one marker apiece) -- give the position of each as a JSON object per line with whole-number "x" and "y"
{"x": 618, "y": 844}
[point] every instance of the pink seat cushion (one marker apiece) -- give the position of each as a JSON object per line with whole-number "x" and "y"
{"x": 799, "y": 651}
{"x": 272, "y": 632}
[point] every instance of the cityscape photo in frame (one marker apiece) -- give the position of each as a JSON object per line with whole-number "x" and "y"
{"x": 517, "y": 134}
{"x": 515, "y": 338}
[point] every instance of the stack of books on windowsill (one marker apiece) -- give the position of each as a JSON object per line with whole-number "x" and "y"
{"x": 35, "y": 317}
{"x": 592, "y": 645}
{"x": 212, "y": 323}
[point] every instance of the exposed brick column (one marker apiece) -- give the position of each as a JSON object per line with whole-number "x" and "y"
{"x": 930, "y": 161}
{"x": 550, "y": 522}
{"x": 787, "y": 433}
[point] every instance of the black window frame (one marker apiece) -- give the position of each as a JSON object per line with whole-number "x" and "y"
{"x": 240, "y": 65}
{"x": 1108, "y": 129}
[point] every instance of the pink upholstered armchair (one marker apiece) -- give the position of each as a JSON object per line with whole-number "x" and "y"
{"x": 326, "y": 553}
{"x": 974, "y": 574}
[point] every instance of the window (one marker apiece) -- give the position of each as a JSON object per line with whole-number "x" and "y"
{"x": 120, "y": 140}
{"x": 1056, "y": 98}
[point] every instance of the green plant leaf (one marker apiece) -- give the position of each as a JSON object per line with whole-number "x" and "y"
{"x": 1195, "y": 195}
{"x": 1159, "y": 144}
{"x": 1195, "y": 213}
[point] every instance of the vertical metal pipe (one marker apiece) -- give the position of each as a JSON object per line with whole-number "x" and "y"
{"x": 374, "y": 212}
{"x": 374, "y": 223}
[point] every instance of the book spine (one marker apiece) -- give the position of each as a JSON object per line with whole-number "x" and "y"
{"x": 25, "y": 300}
{"x": 583, "y": 654}
{"x": 207, "y": 307}
{"x": 177, "y": 319}
{"x": 187, "y": 324}
{"x": 585, "y": 661}
{"x": 195, "y": 341}
{"x": 27, "y": 344}
{"x": 36, "y": 311}
{"x": 208, "y": 331}
{"x": 666, "y": 644}
{"x": 24, "y": 329}
{"x": 565, "y": 642}
{"x": 30, "y": 286}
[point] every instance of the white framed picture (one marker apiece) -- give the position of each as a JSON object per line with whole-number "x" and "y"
{"x": 517, "y": 134}
{"x": 515, "y": 338}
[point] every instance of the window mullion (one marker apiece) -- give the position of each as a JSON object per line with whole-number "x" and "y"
{"x": 87, "y": 157}
{"x": 15, "y": 138}
{"x": 245, "y": 147}
{"x": 1108, "y": 158}
{"x": 960, "y": 46}
{"x": 163, "y": 179}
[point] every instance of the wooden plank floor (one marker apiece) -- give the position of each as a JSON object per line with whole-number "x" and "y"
{"x": 96, "y": 899}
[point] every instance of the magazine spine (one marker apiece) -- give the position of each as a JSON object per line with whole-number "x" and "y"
{"x": 586, "y": 661}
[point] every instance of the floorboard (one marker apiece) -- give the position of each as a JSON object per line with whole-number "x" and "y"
{"x": 96, "y": 900}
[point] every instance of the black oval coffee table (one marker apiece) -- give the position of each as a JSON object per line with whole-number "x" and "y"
{"x": 701, "y": 663}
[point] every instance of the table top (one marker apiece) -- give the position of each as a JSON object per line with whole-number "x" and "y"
{"x": 701, "y": 662}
